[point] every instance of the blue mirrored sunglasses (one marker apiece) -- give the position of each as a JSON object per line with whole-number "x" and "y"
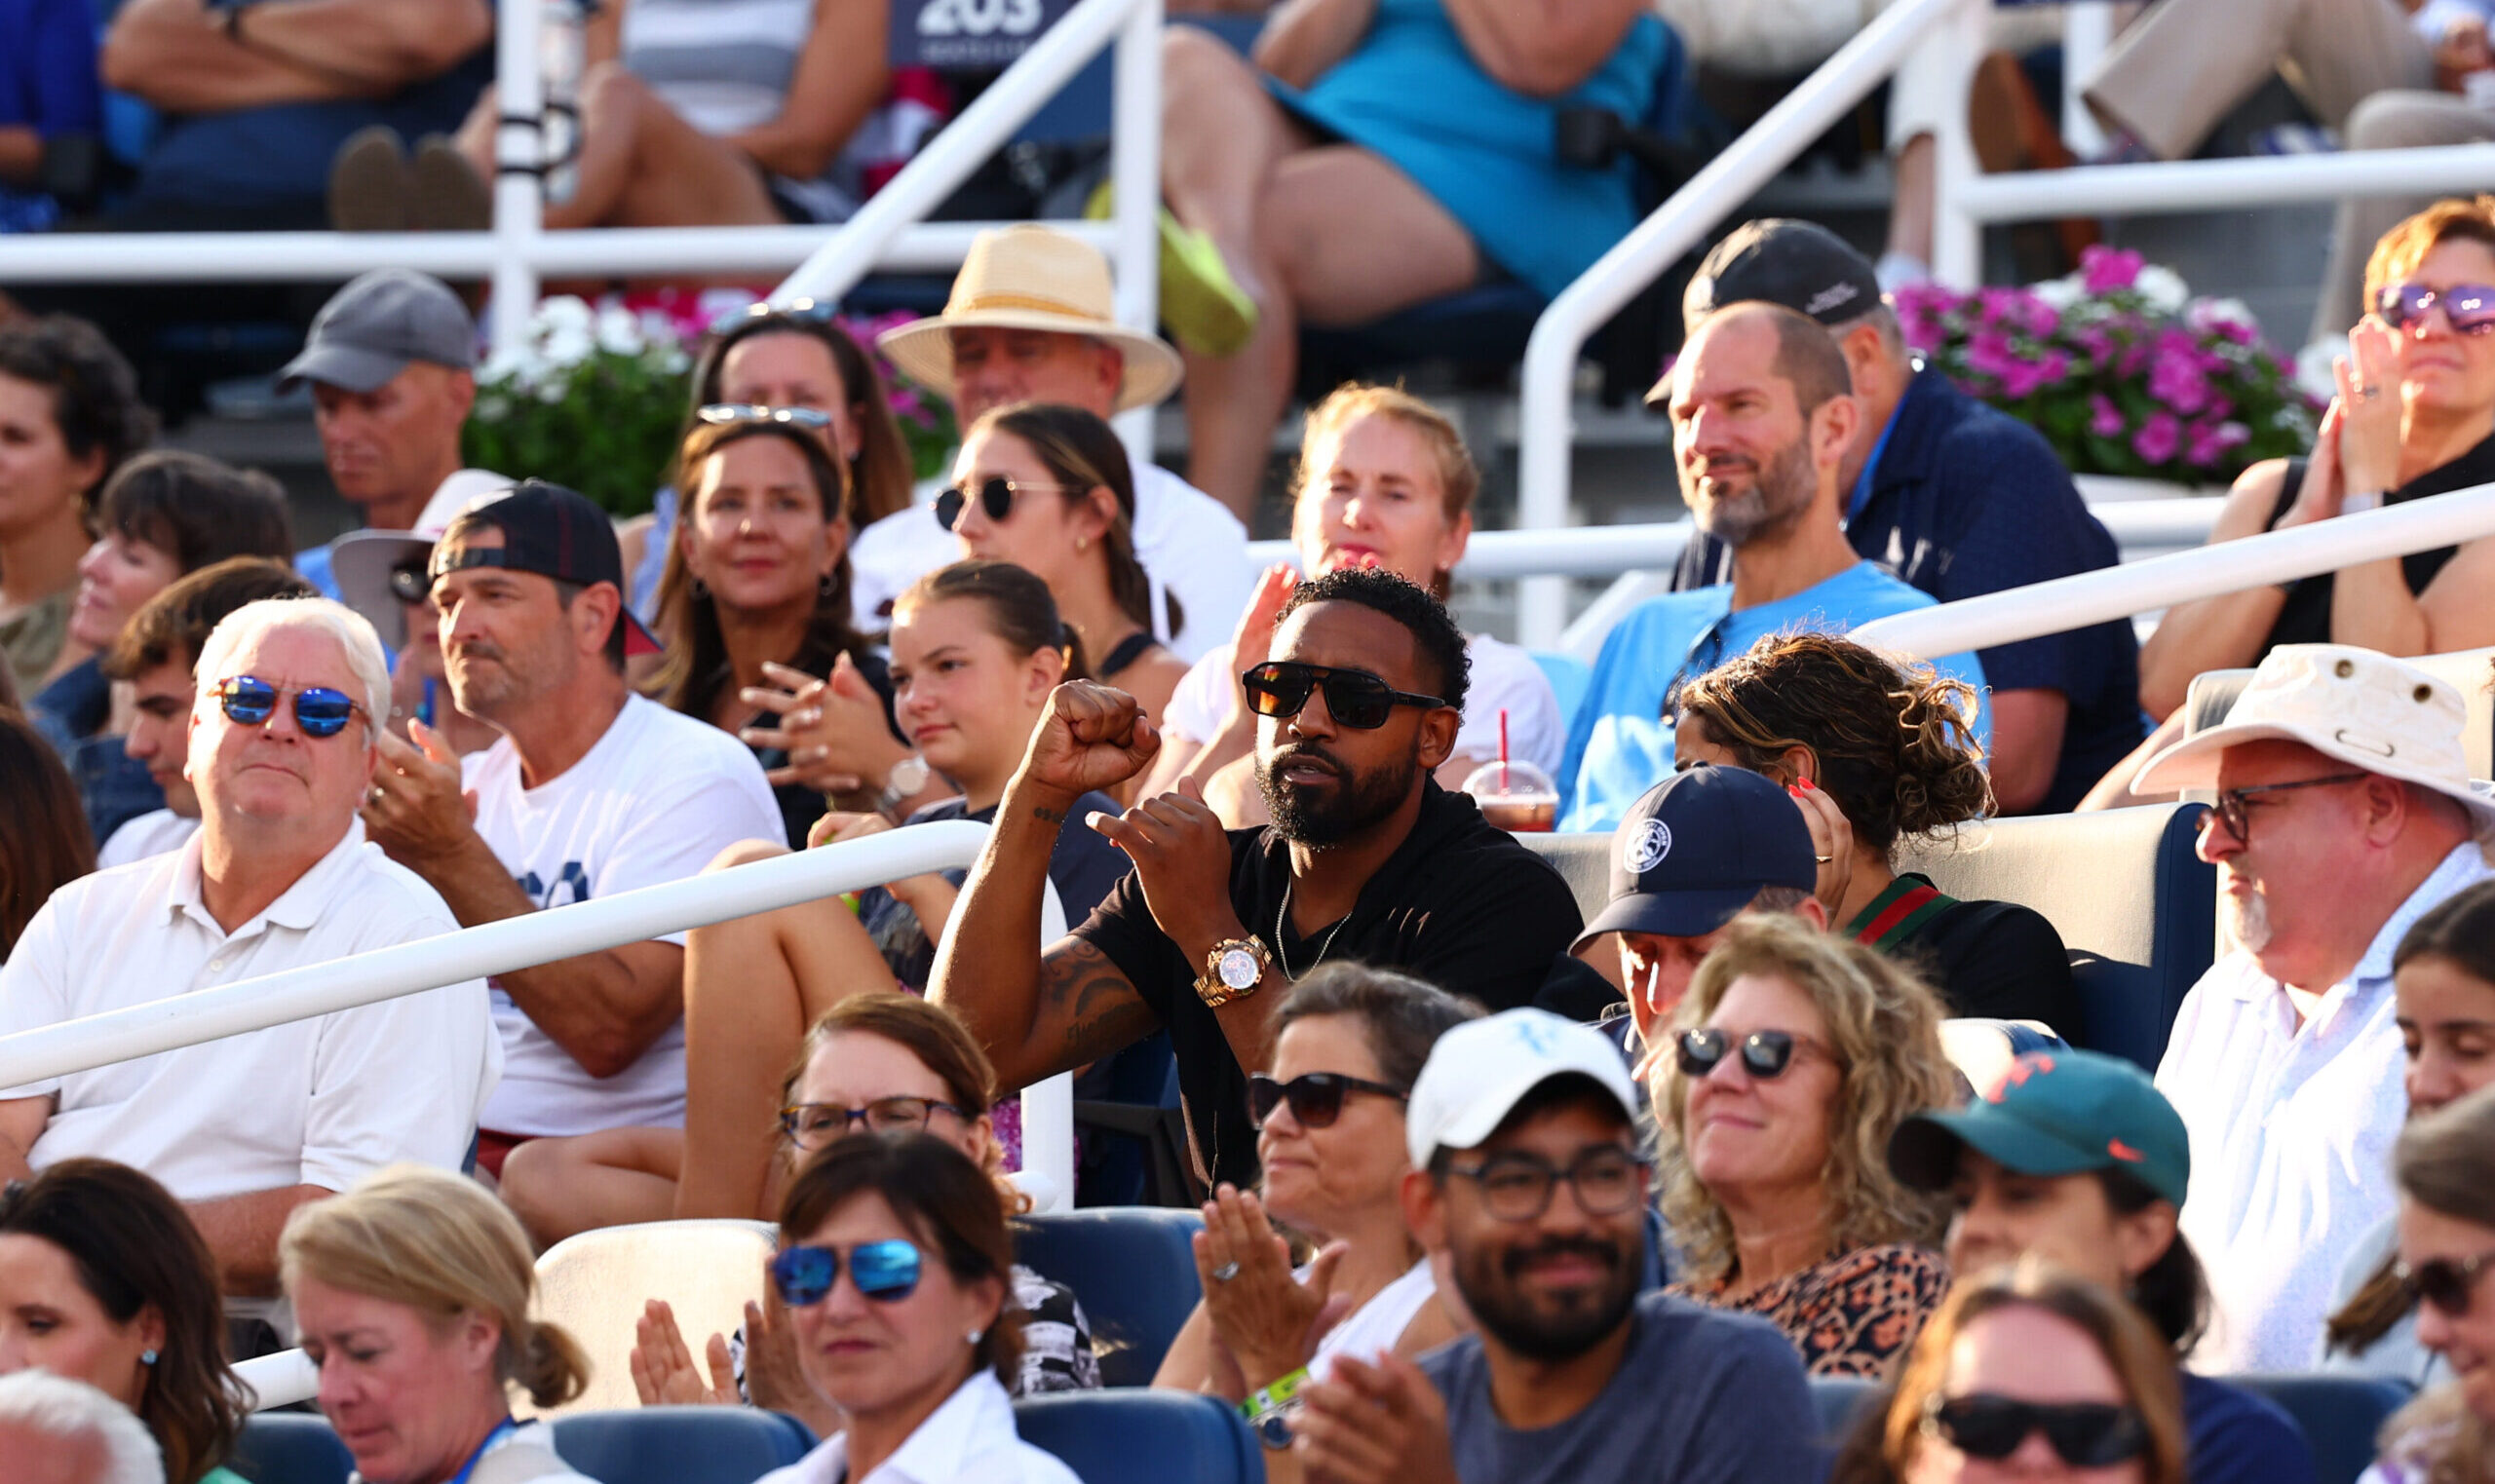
{"x": 317, "y": 710}
{"x": 884, "y": 1270}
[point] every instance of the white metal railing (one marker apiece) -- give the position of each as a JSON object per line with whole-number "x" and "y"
{"x": 2232, "y": 566}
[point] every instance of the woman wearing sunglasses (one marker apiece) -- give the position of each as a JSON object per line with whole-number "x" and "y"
{"x": 2027, "y": 1373}
{"x": 2446, "y": 1249}
{"x": 1049, "y": 489}
{"x": 1795, "y": 1055}
{"x": 1348, "y": 1041}
{"x": 1873, "y": 754}
{"x": 892, "y": 1265}
{"x": 411, "y": 1295}
{"x": 2413, "y": 418}
{"x": 754, "y": 610}
{"x": 2443, "y": 978}
{"x": 1384, "y": 480}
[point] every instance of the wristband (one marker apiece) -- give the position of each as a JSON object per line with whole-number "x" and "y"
{"x": 1267, "y": 1400}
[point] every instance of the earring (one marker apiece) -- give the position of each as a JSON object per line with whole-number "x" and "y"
{"x": 147, "y": 1356}
{"x": 700, "y": 589}
{"x": 974, "y": 1336}
{"x": 822, "y": 586}
{"x": 1082, "y": 543}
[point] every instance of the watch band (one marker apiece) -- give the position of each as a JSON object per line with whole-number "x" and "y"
{"x": 1266, "y": 1400}
{"x": 1217, "y": 992}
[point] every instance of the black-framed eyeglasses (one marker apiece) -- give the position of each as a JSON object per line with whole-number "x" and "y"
{"x": 317, "y": 710}
{"x": 1516, "y": 1186}
{"x": 2468, "y": 308}
{"x": 2235, "y": 812}
{"x": 721, "y": 413}
{"x": 1764, "y": 1054}
{"x": 763, "y": 311}
{"x": 1316, "y": 1098}
{"x": 995, "y": 496}
{"x": 2448, "y": 1283}
{"x": 1353, "y": 697}
{"x": 810, "y": 1126}
{"x": 2084, "y": 1434}
{"x": 884, "y": 1270}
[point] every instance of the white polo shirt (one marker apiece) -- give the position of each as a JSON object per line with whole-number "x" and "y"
{"x": 323, "y": 1101}
{"x": 969, "y": 1439}
{"x": 1186, "y": 539}
{"x": 655, "y": 800}
{"x": 2291, "y": 1127}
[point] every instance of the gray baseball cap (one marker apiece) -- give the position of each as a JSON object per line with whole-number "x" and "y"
{"x": 372, "y": 327}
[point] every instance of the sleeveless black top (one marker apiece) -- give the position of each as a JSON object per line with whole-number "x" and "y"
{"x": 2306, "y": 617}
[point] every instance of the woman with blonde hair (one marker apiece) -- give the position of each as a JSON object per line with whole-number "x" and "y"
{"x": 1384, "y": 480}
{"x": 2027, "y": 1373}
{"x": 412, "y": 1294}
{"x": 1796, "y": 1055}
{"x": 2446, "y": 1247}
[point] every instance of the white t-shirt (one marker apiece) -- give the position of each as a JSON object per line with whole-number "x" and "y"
{"x": 1377, "y": 1326}
{"x": 1503, "y": 677}
{"x": 969, "y": 1439}
{"x": 656, "y": 799}
{"x": 325, "y": 1101}
{"x": 150, "y": 834}
{"x": 1186, "y": 539}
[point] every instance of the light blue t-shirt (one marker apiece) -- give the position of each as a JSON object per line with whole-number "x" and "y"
{"x": 1620, "y": 745}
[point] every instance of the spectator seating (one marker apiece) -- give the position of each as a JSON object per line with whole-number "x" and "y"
{"x": 1142, "y": 1436}
{"x": 290, "y": 1448}
{"x": 680, "y": 1445}
{"x": 1133, "y": 1269}
{"x": 1134, "y": 1136}
{"x": 2469, "y": 671}
{"x": 2340, "y": 1416}
{"x": 596, "y": 1284}
{"x": 1841, "y": 1401}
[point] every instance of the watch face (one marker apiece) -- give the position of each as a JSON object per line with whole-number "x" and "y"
{"x": 1273, "y": 1430}
{"x": 907, "y": 777}
{"x": 1239, "y": 968}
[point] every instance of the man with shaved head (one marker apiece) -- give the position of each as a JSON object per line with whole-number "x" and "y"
{"x": 1763, "y": 412}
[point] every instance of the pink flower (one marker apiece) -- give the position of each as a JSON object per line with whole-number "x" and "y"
{"x": 2026, "y": 378}
{"x": 2105, "y": 419}
{"x": 2158, "y": 439}
{"x": 2106, "y": 269}
{"x": 1989, "y": 353}
{"x": 2211, "y": 439}
{"x": 2177, "y": 379}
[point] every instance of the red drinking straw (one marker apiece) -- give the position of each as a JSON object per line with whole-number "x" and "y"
{"x": 1503, "y": 749}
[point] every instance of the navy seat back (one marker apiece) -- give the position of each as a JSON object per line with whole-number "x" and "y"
{"x": 1131, "y": 1269}
{"x": 290, "y": 1448}
{"x": 1142, "y": 1436}
{"x": 1841, "y": 1401}
{"x": 679, "y": 1445}
{"x": 2340, "y": 1415}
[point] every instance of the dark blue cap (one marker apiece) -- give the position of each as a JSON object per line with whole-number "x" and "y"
{"x": 1697, "y": 848}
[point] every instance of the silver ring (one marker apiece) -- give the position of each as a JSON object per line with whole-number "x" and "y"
{"x": 375, "y": 796}
{"x": 1225, "y": 1272}
{"x": 2367, "y": 394}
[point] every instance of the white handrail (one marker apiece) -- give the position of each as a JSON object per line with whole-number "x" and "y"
{"x": 280, "y": 1380}
{"x": 2214, "y": 185}
{"x": 2231, "y": 566}
{"x": 1636, "y": 260}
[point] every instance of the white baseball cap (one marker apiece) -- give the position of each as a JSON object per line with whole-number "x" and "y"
{"x": 1480, "y": 1070}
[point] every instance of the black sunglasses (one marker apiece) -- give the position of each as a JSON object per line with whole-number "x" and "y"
{"x": 2448, "y": 1283}
{"x": 2469, "y": 308}
{"x": 1353, "y": 697}
{"x": 719, "y": 413}
{"x": 2084, "y": 1434}
{"x": 1764, "y": 1054}
{"x": 1316, "y": 1098}
{"x": 884, "y": 1270}
{"x": 2235, "y": 813}
{"x": 317, "y": 710}
{"x": 995, "y": 496}
{"x": 409, "y": 582}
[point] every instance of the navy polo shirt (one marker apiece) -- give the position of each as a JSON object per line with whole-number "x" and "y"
{"x": 1966, "y": 499}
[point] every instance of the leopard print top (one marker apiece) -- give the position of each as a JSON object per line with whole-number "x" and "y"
{"x": 1854, "y": 1315}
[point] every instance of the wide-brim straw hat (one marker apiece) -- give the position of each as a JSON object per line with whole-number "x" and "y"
{"x": 2353, "y": 706}
{"x": 1027, "y": 277}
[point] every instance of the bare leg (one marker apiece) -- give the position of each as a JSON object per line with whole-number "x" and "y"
{"x": 1910, "y": 202}
{"x": 640, "y": 165}
{"x": 752, "y": 986}
{"x": 559, "y": 1188}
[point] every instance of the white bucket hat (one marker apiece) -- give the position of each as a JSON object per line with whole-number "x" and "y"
{"x": 1028, "y": 277}
{"x": 2354, "y": 705}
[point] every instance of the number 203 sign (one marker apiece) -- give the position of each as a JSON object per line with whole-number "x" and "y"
{"x": 969, "y": 34}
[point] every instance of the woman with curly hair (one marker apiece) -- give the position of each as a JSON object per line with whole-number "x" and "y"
{"x": 1875, "y": 753}
{"x": 1794, "y": 1058}
{"x": 2447, "y": 1230}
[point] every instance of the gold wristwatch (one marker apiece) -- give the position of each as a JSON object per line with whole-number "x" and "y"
{"x": 1233, "y": 969}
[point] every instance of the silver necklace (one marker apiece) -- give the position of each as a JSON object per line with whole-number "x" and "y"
{"x": 1284, "y": 959}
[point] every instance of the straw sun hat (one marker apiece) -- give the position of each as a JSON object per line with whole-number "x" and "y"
{"x": 1027, "y": 277}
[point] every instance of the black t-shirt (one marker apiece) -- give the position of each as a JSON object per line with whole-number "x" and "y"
{"x": 1460, "y": 903}
{"x": 2305, "y": 617}
{"x": 1989, "y": 960}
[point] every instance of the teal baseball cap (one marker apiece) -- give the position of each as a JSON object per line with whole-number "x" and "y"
{"x": 2054, "y": 1112}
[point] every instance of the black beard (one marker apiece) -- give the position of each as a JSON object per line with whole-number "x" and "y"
{"x": 1317, "y": 820}
{"x": 1531, "y": 1333}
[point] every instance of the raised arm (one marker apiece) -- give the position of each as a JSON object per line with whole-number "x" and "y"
{"x": 2370, "y": 604}
{"x": 2223, "y": 631}
{"x": 1541, "y": 48}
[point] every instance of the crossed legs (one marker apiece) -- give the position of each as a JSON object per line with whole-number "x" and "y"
{"x": 640, "y": 165}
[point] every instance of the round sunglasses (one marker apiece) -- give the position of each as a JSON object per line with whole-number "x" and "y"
{"x": 2468, "y": 308}
{"x": 1353, "y": 697}
{"x": 2448, "y": 1283}
{"x": 995, "y": 497}
{"x": 886, "y": 1272}
{"x": 2084, "y": 1434}
{"x": 317, "y": 710}
{"x": 1764, "y": 1054}
{"x": 1316, "y": 1098}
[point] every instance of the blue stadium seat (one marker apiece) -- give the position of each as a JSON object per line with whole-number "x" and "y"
{"x": 679, "y": 1445}
{"x": 290, "y": 1448}
{"x": 2339, "y": 1415}
{"x": 1840, "y": 1401}
{"x": 1131, "y": 1269}
{"x": 1142, "y": 1437}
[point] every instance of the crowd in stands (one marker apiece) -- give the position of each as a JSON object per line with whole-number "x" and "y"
{"x": 1492, "y": 1191}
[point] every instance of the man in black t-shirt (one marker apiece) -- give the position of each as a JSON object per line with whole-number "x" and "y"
{"x": 1367, "y": 860}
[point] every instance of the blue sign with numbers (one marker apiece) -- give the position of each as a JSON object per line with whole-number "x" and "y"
{"x": 969, "y": 35}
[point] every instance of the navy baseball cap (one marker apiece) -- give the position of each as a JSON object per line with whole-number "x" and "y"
{"x": 553, "y": 532}
{"x": 2055, "y": 1113}
{"x": 1697, "y": 848}
{"x": 1798, "y": 264}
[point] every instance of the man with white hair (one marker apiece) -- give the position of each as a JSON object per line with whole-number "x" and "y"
{"x": 54, "y": 1431}
{"x": 244, "y": 1129}
{"x": 2344, "y": 813}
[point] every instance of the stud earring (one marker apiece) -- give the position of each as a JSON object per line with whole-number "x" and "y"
{"x": 1082, "y": 543}
{"x": 974, "y": 1335}
{"x": 147, "y": 1356}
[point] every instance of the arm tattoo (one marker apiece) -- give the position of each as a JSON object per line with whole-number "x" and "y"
{"x": 1087, "y": 995}
{"x": 1047, "y": 816}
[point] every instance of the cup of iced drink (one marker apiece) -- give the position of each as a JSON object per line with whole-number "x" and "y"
{"x": 1514, "y": 796}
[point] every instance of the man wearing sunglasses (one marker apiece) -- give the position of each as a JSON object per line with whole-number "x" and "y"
{"x": 1367, "y": 860}
{"x": 1528, "y": 1175}
{"x": 244, "y": 1129}
{"x": 2344, "y": 812}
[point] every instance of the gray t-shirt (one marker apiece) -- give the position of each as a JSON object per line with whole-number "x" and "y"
{"x": 1702, "y": 1396}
